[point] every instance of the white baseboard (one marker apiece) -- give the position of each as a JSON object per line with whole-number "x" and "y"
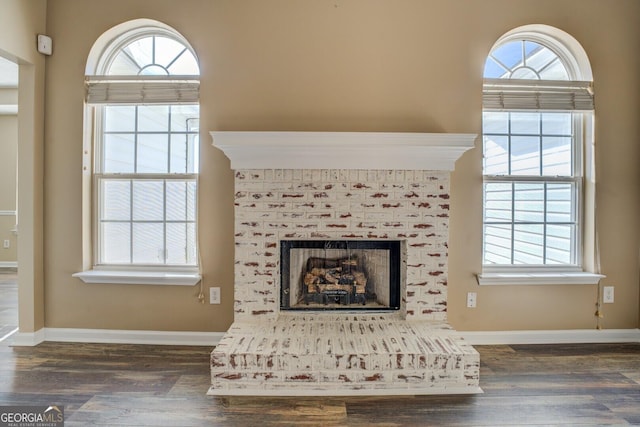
{"x": 571, "y": 336}
{"x": 26, "y": 339}
{"x": 111, "y": 336}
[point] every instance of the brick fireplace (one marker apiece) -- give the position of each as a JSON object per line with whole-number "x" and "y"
{"x": 342, "y": 187}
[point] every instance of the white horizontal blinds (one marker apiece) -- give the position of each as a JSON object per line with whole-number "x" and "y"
{"x": 540, "y": 95}
{"x": 145, "y": 90}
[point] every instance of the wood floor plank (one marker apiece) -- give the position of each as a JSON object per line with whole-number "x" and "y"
{"x": 144, "y": 385}
{"x": 111, "y": 385}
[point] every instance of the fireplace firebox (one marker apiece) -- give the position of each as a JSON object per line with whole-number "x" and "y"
{"x": 340, "y": 275}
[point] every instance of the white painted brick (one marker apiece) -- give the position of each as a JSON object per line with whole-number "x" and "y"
{"x": 369, "y": 204}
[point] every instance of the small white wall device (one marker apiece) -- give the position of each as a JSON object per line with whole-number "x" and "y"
{"x": 45, "y": 44}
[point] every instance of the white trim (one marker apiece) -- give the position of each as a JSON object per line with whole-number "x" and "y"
{"x": 8, "y": 213}
{"x": 343, "y": 150}
{"x": 569, "y": 336}
{"x": 117, "y": 336}
{"x": 128, "y": 277}
{"x": 314, "y": 389}
{"x": 28, "y": 339}
{"x": 8, "y": 264}
{"x": 550, "y": 278}
{"x": 571, "y": 52}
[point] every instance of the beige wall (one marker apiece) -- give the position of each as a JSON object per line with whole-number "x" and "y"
{"x": 20, "y": 21}
{"x": 8, "y": 169}
{"x": 345, "y": 65}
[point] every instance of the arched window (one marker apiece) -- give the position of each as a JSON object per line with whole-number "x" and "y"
{"x": 142, "y": 87}
{"x": 537, "y": 119}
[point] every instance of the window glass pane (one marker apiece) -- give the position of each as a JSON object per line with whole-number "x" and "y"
{"x": 193, "y": 158}
{"x": 525, "y": 155}
{"x": 148, "y": 200}
{"x": 153, "y": 153}
{"x": 167, "y": 50}
{"x": 153, "y": 70}
{"x": 176, "y": 243}
{"x": 522, "y": 59}
{"x": 492, "y": 69}
{"x": 192, "y": 198}
{"x": 497, "y": 244}
{"x": 556, "y": 124}
{"x": 524, "y": 73}
{"x": 119, "y": 118}
{"x": 185, "y": 65}
{"x": 141, "y": 51}
{"x": 525, "y": 123}
{"x": 148, "y": 243}
{"x": 498, "y": 202}
{"x": 153, "y": 118}
{"x": 176, "y": 201}
{"x": 123, "y": 65}
{"x": 185, "y": 118}
{"x": 116, "y": 200}
{"x": 495, "y": 123}
{"x": 118, "y": 153}
{"x": 559, "y": 239}
{"x": 528, "y": 202}
{"x": 192, "y": 244}
{"x": 496, "y": 155}
{"x": 180, "y": 150}
{"x": 528, "y": 244}
{"x": 554, "y": 71}
{"x": 509, "y": 54}
{"x": 560, "y": 202}
{"x": 556, "y": 156}
{"x": 116, "y": 242}
{"x": 540, "y": 58}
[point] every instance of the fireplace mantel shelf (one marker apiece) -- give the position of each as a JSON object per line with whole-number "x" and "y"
{"x": 342, "y": 150}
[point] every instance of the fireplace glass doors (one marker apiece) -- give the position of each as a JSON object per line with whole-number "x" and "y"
{"x": 340, "y": 275}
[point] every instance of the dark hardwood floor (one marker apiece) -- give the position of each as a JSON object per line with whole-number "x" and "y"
{"x": 136, "y": 385}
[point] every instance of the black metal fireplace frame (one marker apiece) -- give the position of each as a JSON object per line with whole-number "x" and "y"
{"x": 395, "y": 254}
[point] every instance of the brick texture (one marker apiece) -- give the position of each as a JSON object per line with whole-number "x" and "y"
{"x": 410, "y": 351}
{"x": 274, "y": 205}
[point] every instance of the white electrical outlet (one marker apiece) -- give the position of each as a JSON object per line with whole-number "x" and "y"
{"x": 7, "y": 244}
{"x": 607, "y": 294}
{"x": 472, "y": 299}
{"x": 214, "y": 295}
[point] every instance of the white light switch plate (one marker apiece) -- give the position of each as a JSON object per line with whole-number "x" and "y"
{"x": 214, "y": 295}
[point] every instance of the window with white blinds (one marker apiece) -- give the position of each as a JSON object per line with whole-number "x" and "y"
{"x": 144, "y": 100}
{"x": 534, "y": 114}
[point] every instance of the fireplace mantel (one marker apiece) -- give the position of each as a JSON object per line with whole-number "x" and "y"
{"x": 342, "y": 150}
{"x": 367, "y": 188}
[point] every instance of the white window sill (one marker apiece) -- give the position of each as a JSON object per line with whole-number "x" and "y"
{"x": 129, "y": 277}
{"x": 551, "y": 278}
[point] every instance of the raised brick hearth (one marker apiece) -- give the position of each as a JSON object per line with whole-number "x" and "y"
{"x": 409, "y": 351}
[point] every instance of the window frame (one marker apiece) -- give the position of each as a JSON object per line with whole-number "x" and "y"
{"x": 575, "y": 61}
{"x": 576, "y": 178}
{"x": 106, "y": 48}
{"x": 98, "y": 199}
